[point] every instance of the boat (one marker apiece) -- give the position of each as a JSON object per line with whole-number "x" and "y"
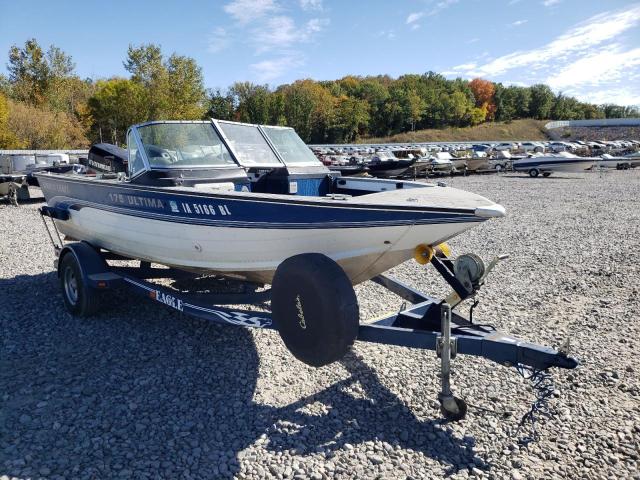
{"x": 478, "y": 162}
{"x": 421, "y": 165}
{"x": 347, "y": 166}
{"x": 609, "y": 161}
{"x": 546, "y": 164}
{"x": 442, "y": 163}
{"x": 384, "y": 164}
{"x": 236, "y": 200}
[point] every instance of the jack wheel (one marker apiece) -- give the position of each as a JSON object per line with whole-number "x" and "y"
{"x": 451, "y": 412}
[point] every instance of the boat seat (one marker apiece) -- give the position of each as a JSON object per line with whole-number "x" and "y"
{"x": 283, "y": 183}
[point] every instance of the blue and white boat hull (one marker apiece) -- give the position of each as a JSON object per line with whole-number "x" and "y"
{"x": 247, "y": 235}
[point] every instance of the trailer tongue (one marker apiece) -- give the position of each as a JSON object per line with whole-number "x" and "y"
{"x": 314, "y": 308}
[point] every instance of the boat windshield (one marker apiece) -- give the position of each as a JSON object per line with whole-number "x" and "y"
{"x": 180, "y": 145}
{"x": 248, "y": 145}
{"x": 290, "y": 146}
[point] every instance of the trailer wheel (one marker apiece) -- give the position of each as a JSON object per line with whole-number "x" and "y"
{"x": 80, "y": 299}
{"x": 534, "y": 172}
{"x": 314, "y": 308}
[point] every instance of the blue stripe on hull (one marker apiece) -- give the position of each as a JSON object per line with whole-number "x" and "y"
{"x": 226, "y": 211}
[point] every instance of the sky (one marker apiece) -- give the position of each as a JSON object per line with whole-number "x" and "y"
{"x": 584, "y": 48}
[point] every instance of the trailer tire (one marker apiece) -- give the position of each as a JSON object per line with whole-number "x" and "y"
{"x": 79, "y": 298}
{"x": 534, "y": 172}
{"x": 315, "y": 308}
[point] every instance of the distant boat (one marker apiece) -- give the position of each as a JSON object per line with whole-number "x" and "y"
{"x": 385, "y": 164}
{"x": 619, "y": 163}
{"x": 553, "y": 162}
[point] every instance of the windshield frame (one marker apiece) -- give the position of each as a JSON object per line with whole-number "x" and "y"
{"x": 217, "y": 125}
{"x": 315, "y": 163}
{"x": 147, "y": 164}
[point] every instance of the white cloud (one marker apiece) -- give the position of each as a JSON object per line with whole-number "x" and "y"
{"x": 441, "y": 6}
{"x": 267, "y": 70}
{"x": 597, "y": 60}
{"x": 218, "y": 40}
{"x": 465, "y": 66}
{"x": 517, "y": 23}
{"x": 513, "y": 2}
{"x": 473, "y": 40}
{"x": 246, "y": 11}
{"x": 281, "y": 32}
{"x": 310, "y": 4}
{"x": 550, "y": 3}
{"x": 388, "y": 34}
{"x": 619, "y": 96}
{"x": 414, "y": 17}
{"x": 607, "y": 66}
{"x": 579, "y": 40}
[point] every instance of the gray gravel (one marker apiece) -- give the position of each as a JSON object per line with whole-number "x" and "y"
{"x": 140, "y": 392}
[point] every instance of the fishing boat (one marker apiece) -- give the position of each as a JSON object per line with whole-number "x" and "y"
{"x": 238, "y": 199}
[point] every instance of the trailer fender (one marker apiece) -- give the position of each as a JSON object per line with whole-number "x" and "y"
{"x": 95, "y": 271}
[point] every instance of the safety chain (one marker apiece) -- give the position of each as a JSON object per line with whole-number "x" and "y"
{"x": 544, "y": 388}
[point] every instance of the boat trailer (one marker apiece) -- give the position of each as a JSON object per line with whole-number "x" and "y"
{"x": 429, "y": 323}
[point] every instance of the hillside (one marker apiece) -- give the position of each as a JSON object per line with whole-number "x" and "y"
{"x": 525, "y": 129}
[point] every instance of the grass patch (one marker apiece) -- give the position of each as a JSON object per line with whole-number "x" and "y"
{"x": 525, "y": 129}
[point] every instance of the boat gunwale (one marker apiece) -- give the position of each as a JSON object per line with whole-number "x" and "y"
{"x": 321, "y": 202}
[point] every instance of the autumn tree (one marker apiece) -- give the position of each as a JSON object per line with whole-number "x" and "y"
{"x": 484, "y": 94}
{"x": 8, "y": 139}
{"x": 42, "y": 128}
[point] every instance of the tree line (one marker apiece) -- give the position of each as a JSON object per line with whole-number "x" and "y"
{"x": 44, "y": 103}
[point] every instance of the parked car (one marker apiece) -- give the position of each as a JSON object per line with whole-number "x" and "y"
{"x": 532, "y": 147}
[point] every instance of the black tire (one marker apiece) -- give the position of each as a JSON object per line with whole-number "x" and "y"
{"x": 314, "y": 308}
{"x": 80, "y": 299}
{"x": 546, "y": 174}
{"x": 534, "y": 172}
{"x": 455, "y": 416}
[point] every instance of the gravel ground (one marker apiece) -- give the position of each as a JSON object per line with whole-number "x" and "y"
{"x": 139, "y": 392}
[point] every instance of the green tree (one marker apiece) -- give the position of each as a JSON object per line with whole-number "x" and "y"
{"x": 458, "y": 107}
{"x": 413, "y": 108}
{"x": 350, "y": 119}
{"x": 28, "y": 72}
{"x": 252, "y": 102}
{"x": 541, "y": 101}
{"x": 308, "y": 108}
{"x": 147, "y": 70}
{"x": 219, "y": 106}
{"x": 186, "y": 93}
{"x": 117, "y": 104}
